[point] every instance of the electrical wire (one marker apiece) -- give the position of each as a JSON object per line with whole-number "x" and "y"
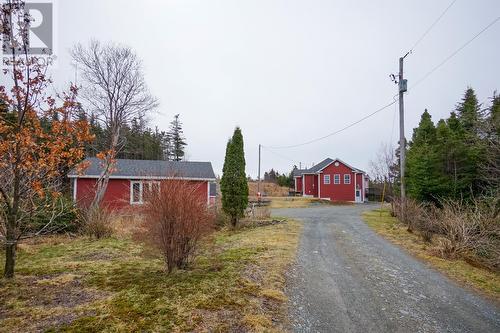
{"x": 279, "y": 155}
{"x": 454, "y": 53}
{"x": 337, "y": 131}
{"x": 432, "y": 26}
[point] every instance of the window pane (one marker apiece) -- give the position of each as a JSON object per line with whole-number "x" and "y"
{"x": 136, "y": 192}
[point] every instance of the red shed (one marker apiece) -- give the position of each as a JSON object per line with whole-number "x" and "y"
{"x": 130, "y": 178}
{"x": 332, "y": 179}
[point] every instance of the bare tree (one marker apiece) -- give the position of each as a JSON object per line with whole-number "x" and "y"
{"x": 382, "y": 167}
{"x": 115, "y": 92}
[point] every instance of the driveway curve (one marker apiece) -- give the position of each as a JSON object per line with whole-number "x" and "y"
{"x": 349, "y": 279}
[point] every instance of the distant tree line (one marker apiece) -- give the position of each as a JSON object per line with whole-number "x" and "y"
{"x": 140, "y": 141}
{"x": 273, "y": 176}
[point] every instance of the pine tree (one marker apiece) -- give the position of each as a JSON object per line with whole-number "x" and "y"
{"x": 422, "y": 164}
{"x": 234, "y": 186}
{"x": 177, "y": 140}
{"x": 490, "y": 168}
{"x": 472, "y": 148}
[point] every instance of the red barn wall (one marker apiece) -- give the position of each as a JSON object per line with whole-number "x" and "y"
{"x": 311, "y": 185}
{"x": 337, "y": 192}
{"x": 298, "y": 181}
{"x": 117, "y": 194}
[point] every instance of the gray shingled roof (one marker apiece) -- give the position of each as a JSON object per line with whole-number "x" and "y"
{"x": 147, "y": 168}
{"x": 298, "y": 172}
{"x": 320, "y": 165}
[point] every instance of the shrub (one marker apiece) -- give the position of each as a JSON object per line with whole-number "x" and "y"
{"x": 468, "y": 230}
{"x": 54, "y": 216}
{"x": 471, "y": 231}
{"x": 176, "y": 218}
{"x": 96, "y": 222}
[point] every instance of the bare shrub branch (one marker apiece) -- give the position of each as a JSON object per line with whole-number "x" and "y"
{"x": 176, "y": 217}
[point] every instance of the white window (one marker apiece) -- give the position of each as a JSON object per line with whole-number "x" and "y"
{"x": 336, "y": 179}
{"x": 140, "y": 190}
{"x": 136, "y": 192}
{"x": 347, "y": 179}
{"x": 326, "y": 179}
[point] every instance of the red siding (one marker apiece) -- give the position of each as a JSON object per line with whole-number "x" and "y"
{"x": 311, "y": 185}
{"x": 298, "y": 182}
{"x": 337, "y": 192}
{"x": 117, "y": 194}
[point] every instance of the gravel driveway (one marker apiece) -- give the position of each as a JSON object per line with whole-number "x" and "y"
{"x": 349, "y": 279}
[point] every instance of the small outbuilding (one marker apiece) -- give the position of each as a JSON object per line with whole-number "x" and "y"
{"x": 131, "y": 178}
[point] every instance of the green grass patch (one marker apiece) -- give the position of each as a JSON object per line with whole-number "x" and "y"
{"x": 65, "y": 284}
{"x": 480, "y": 279}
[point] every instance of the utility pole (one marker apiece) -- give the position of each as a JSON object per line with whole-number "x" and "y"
{"x": 258, "y": 176}
{"x": 402, "y": 86}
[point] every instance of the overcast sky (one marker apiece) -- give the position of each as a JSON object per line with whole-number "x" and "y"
{"x": 289, "y": 71}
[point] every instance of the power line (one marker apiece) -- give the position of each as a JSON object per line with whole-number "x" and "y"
{"x": 454, "y": 53}
{"x": 337, "y": 131}
{"x": 432, "y": 26}
{"x": 279, "y": 155}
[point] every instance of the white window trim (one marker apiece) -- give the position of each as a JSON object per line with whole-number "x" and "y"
{"x": 348, "y": 182}
{"x": 132, "y": 202}
{"x": 336, "y": 179}
{"x": 75, "y": 184}
{"x": 325, "y": 178}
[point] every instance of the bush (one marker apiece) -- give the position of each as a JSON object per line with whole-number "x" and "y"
{"x": 96, "y": 222}
{"x": 56, "y": 216}
{"x": 470, "y": 231}
{"x": 464, "y": 230}
{"x": 176, "y": 217}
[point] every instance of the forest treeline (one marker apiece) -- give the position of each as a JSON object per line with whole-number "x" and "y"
{"x": 141, "y": 142}
{"x": 458, "y": 157}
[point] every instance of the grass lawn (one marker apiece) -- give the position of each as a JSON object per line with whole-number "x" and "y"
{"x": 76, "y": 284}
{"x": 480, "y": 279}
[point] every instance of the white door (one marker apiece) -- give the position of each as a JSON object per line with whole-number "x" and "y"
{"x": 358, "y": 196}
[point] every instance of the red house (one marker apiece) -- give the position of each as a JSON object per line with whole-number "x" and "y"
{"x": 332, "y": 179}
{"x": 131, "y": 178}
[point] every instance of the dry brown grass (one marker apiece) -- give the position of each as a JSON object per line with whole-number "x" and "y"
{"x": 268, "y": 189}
{"x": 300, "y": 202}
{"x": 480, "y": 279}
{"x": 116, "y": 285}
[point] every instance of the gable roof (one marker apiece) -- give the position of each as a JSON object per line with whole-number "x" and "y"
{"x": 323, "y": 164}
{"x": 320, "y": 166}
{"x": 298, "y": 172}
{"x": 149, "y": 169}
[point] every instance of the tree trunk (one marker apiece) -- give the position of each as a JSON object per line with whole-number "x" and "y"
{"x": 234, "y": 221}
{"x": 10, "y": 248}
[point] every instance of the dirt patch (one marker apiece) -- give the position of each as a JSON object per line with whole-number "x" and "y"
{"x": 69, "y": 295}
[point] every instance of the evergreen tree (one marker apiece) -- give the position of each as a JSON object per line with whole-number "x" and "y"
{"x": 234, "y": 186}
{"x": 177, "y": 140}
{"x": 472, "y": 148}
{"x": 422, "y": 163}
{"x": 490, "y": 169}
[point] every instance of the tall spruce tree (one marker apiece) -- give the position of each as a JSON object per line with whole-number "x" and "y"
{"x": 490, "y": 168}
{"x": 472, "y": 145}
{"x": 234, "y": 186}
{"x": 422, "y": 164}
{"x": 177, "y": 140}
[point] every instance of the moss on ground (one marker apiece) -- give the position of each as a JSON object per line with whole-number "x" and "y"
{"x": 77, "y": 284}
{"x": 480, "y": 279}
